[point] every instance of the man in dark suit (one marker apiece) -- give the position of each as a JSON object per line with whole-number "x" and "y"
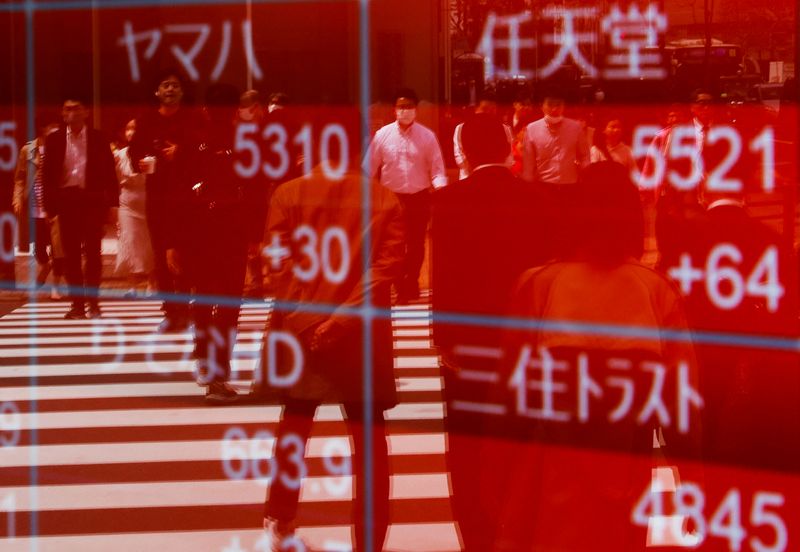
{"x": 80, "y": 186}
{"x": 486, "y": 230}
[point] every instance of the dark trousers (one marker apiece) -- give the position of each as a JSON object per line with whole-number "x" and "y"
{"x": 298, "y": 417}
{"x": 41, "y": 241}
{"x": 416, "y": 213}
{"x": 158, "y": 217}
{"x": 81, "y": 234}
{"x": 217, "y": 263}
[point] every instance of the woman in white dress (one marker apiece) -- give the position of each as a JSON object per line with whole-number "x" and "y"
{"x": 134, "y": 250}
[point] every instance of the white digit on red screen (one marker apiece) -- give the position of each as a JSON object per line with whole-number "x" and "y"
{"x": 328, "y": 133}
{"x": 764, "y": 280}
{"x": 643, "y": 147}
{"x": 8, "y": 143}
{"x": 296, "y": 458}
{"x": 684, "y": 145}
{"x": 278, "y": 146}
{"x": 10, "y": 424}
{"x": 337, "y": 448}
{"x": 247, "y": 145}
{"x": 765, "y": 144}
{"x": 306, "y": 237}
{"x": 8, "y": 223}
{"x": 303, "y": 138}
{"x": 262, "y": 460}
{"x": 717, "y": 182}
{"x": 235, "y": 459}
{"x": 331, "y": 235}
{"x": 726, "y": 522}
{"x": 716, "y": 275}
{"x": 760, "y": 516}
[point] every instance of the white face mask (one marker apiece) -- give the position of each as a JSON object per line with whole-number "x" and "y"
{"x": 273, "y": 107}
{"x": 406, "y": 116}
{"x": 553, "y": 120}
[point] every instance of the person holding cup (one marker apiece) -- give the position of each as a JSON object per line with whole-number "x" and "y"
{"x": 166, "y": 148}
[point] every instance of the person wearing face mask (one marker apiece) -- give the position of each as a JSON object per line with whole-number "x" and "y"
{"x": 405, "y": 156}
{"x": 134, "y": 251}
{"x": 555, "y": 148}
{"x": 80, "y": 188}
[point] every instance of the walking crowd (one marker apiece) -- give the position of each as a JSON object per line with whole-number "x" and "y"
{"x": 544, "y": 223}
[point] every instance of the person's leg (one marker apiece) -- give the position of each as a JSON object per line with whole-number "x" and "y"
{"x": 155, "y": 225}
{"x": 71, "y": 224}
{"x": 41, "y": 241}
{"x": 380, "y": 486}
{"x": 92, "y": 243}
{"x": 418, "y": 210}
{"x": 291, "y": 438}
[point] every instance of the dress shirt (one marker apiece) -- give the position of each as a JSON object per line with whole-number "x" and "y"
{"x": 75, "y": 159}
{"x": 554, "y": 154}
{"x": 408, "y": 161}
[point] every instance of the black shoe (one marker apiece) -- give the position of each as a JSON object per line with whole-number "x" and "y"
{"x": 221, "y": 392}
{"x": 75, "y": 313}
{"x": 94, "y": 311}
{"x": 173, "y": 325}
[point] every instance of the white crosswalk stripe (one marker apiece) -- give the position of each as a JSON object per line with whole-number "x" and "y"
{"x": 107, "y": 418}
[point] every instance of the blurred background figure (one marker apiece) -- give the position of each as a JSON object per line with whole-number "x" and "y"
{"x": 166, "y": 147}
{"x": 28, "y": 204}
{"x": 608, "y": 146}
{"x": 256, "y": 190}
{"x": 405, "y": 156}
{"x": 134, "y": 248}
{"x": 488, "y": 107}
{"x": 217, "y": 255}
{"x": 486, "y": 230}
{"x": 330, "y": 345}
{"x": 599, "y": 280}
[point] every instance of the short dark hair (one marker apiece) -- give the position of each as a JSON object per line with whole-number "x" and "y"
{"x": 697, "y": 92}
{"x": 279, "y": 98}
{"x": 606, "y": 214}
{"x": 77, "y": 96}
{"x": 484, "y": 140}
{"x": 408, "y": 94}
{"x": 166, "y": 73}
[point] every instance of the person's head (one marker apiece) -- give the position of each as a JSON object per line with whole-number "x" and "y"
{"x": 74, "y": 112}
{"x": 553, "y": 108}
{"x": 221, "y": 103}
{"x": 169, "y": 89}
{"x": 673, "y": 115}
{"x": 405, "y": 107}
{"x": 701, "y": 105}
{"x": 606, "y": 215}
{"x": 484, "y": 140}
{"x": 487, "y": 106}
{"x": 612, "y": 133}
{"x": 130, "y": 130}
{"x": 250, "y": 108}
{"x": 277, "y": 100}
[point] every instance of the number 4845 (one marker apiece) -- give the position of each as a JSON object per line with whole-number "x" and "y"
{"x": 687, "y": 525}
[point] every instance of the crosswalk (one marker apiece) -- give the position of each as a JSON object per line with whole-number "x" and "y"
{"x": 107, "y": 443}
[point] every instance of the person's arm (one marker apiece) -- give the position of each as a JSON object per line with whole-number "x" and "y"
{"x": 438, "y": 174}
{"x": 528, "y": 157}
{"x": 374, "y": 158}
{"x": 51, "y": 172}
{"x": 458, "y": 152}
{"x": 20, "y": 180}
{"x": 582, "y": 150}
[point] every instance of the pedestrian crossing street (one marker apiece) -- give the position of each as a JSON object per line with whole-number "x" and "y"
{"x": 108, "y": 444}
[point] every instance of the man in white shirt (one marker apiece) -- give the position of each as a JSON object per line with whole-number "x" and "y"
{"x": 80, "y": 188}
{"x": 554, "y": 148}
{"x": 407, "y": 159}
